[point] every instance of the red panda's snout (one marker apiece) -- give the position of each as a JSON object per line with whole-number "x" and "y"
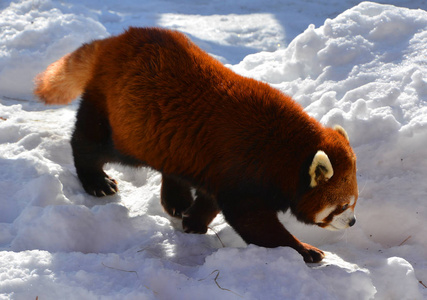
{"x": 344, "y": 223}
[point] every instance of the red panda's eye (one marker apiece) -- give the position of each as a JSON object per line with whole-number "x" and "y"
{"x": 345, "y": 206}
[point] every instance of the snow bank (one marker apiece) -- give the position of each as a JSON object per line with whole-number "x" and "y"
{"x": 33, "y": 34}
{"x": 364, "y": 69}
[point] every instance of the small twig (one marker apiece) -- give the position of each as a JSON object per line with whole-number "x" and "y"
{"x": 151, "y": 252}
{"x": 4, "y": 119}
{"x": 128, "y": 271}
{"x": 121, "y": 270}
{"x": 405, "y": 240}
{"x": 15, "y": 99}
{"x": 422, "y": 284}
{"x": 223, "y": 246}
{"x": 217, "y": 284}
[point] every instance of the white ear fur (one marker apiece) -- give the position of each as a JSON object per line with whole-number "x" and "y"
{"x": 341, "y": 131}
{"x": 320, "y": 169}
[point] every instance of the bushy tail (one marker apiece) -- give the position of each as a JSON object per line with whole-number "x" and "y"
{"x": 65, "y": 79}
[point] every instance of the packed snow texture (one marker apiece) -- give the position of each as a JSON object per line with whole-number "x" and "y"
{"x": 364, "y": 68}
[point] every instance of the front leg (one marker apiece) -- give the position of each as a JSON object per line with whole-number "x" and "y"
{"x": 175, "y": 195}
{"x": 197, "y": 218}
{"x": 263, "y": 228}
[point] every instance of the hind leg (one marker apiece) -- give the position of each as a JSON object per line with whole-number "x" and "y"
{"x": 197, "y": 218}
{"x": 92, "y": 148}
{"x": 175, "y": 195}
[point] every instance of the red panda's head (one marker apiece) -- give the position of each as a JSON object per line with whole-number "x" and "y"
{"x": 332, "y": 193}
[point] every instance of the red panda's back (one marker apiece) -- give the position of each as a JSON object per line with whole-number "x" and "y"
{"x": 172, "y": 105}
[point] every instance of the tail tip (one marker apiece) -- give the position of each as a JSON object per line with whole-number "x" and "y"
{"x": 53, "y": 87}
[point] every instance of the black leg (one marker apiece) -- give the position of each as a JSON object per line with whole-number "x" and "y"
{"x": 197, "y": 218}
{"x": 261, "y": 226}
{"x": 175, "y": 195}
{"x": 92, "y": 148}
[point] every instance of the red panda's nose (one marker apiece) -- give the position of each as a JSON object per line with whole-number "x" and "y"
{"x": 352, "y": 222}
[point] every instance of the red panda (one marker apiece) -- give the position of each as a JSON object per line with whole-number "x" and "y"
{"x": 151, "y": 97}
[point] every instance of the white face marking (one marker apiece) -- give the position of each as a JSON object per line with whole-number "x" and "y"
{"x": 342, "y": 220}
{"x": 321, "y": 215}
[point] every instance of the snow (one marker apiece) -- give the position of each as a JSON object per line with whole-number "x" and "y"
{"x": 362, "y": 66}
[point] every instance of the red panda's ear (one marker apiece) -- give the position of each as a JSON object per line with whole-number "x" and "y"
{"x": 341, "y": 131}
{"x": 321, "y": 169}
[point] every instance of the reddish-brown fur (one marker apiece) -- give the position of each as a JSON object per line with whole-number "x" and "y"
{"x": 152, "y": 97}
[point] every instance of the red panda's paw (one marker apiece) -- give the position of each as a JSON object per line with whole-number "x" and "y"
{"x": 193, "y": 225}
{"x": 311, "y": 254}
{"x": 100, "y": 186}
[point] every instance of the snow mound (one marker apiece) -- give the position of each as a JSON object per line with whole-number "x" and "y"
{"x": 33, "y": 34}
{"x": 367, "y": 64}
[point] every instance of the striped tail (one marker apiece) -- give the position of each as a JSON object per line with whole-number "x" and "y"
{"x": 65, "y": 80}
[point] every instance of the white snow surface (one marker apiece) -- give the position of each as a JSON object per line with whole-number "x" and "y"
{"x": 359, "y": 65}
